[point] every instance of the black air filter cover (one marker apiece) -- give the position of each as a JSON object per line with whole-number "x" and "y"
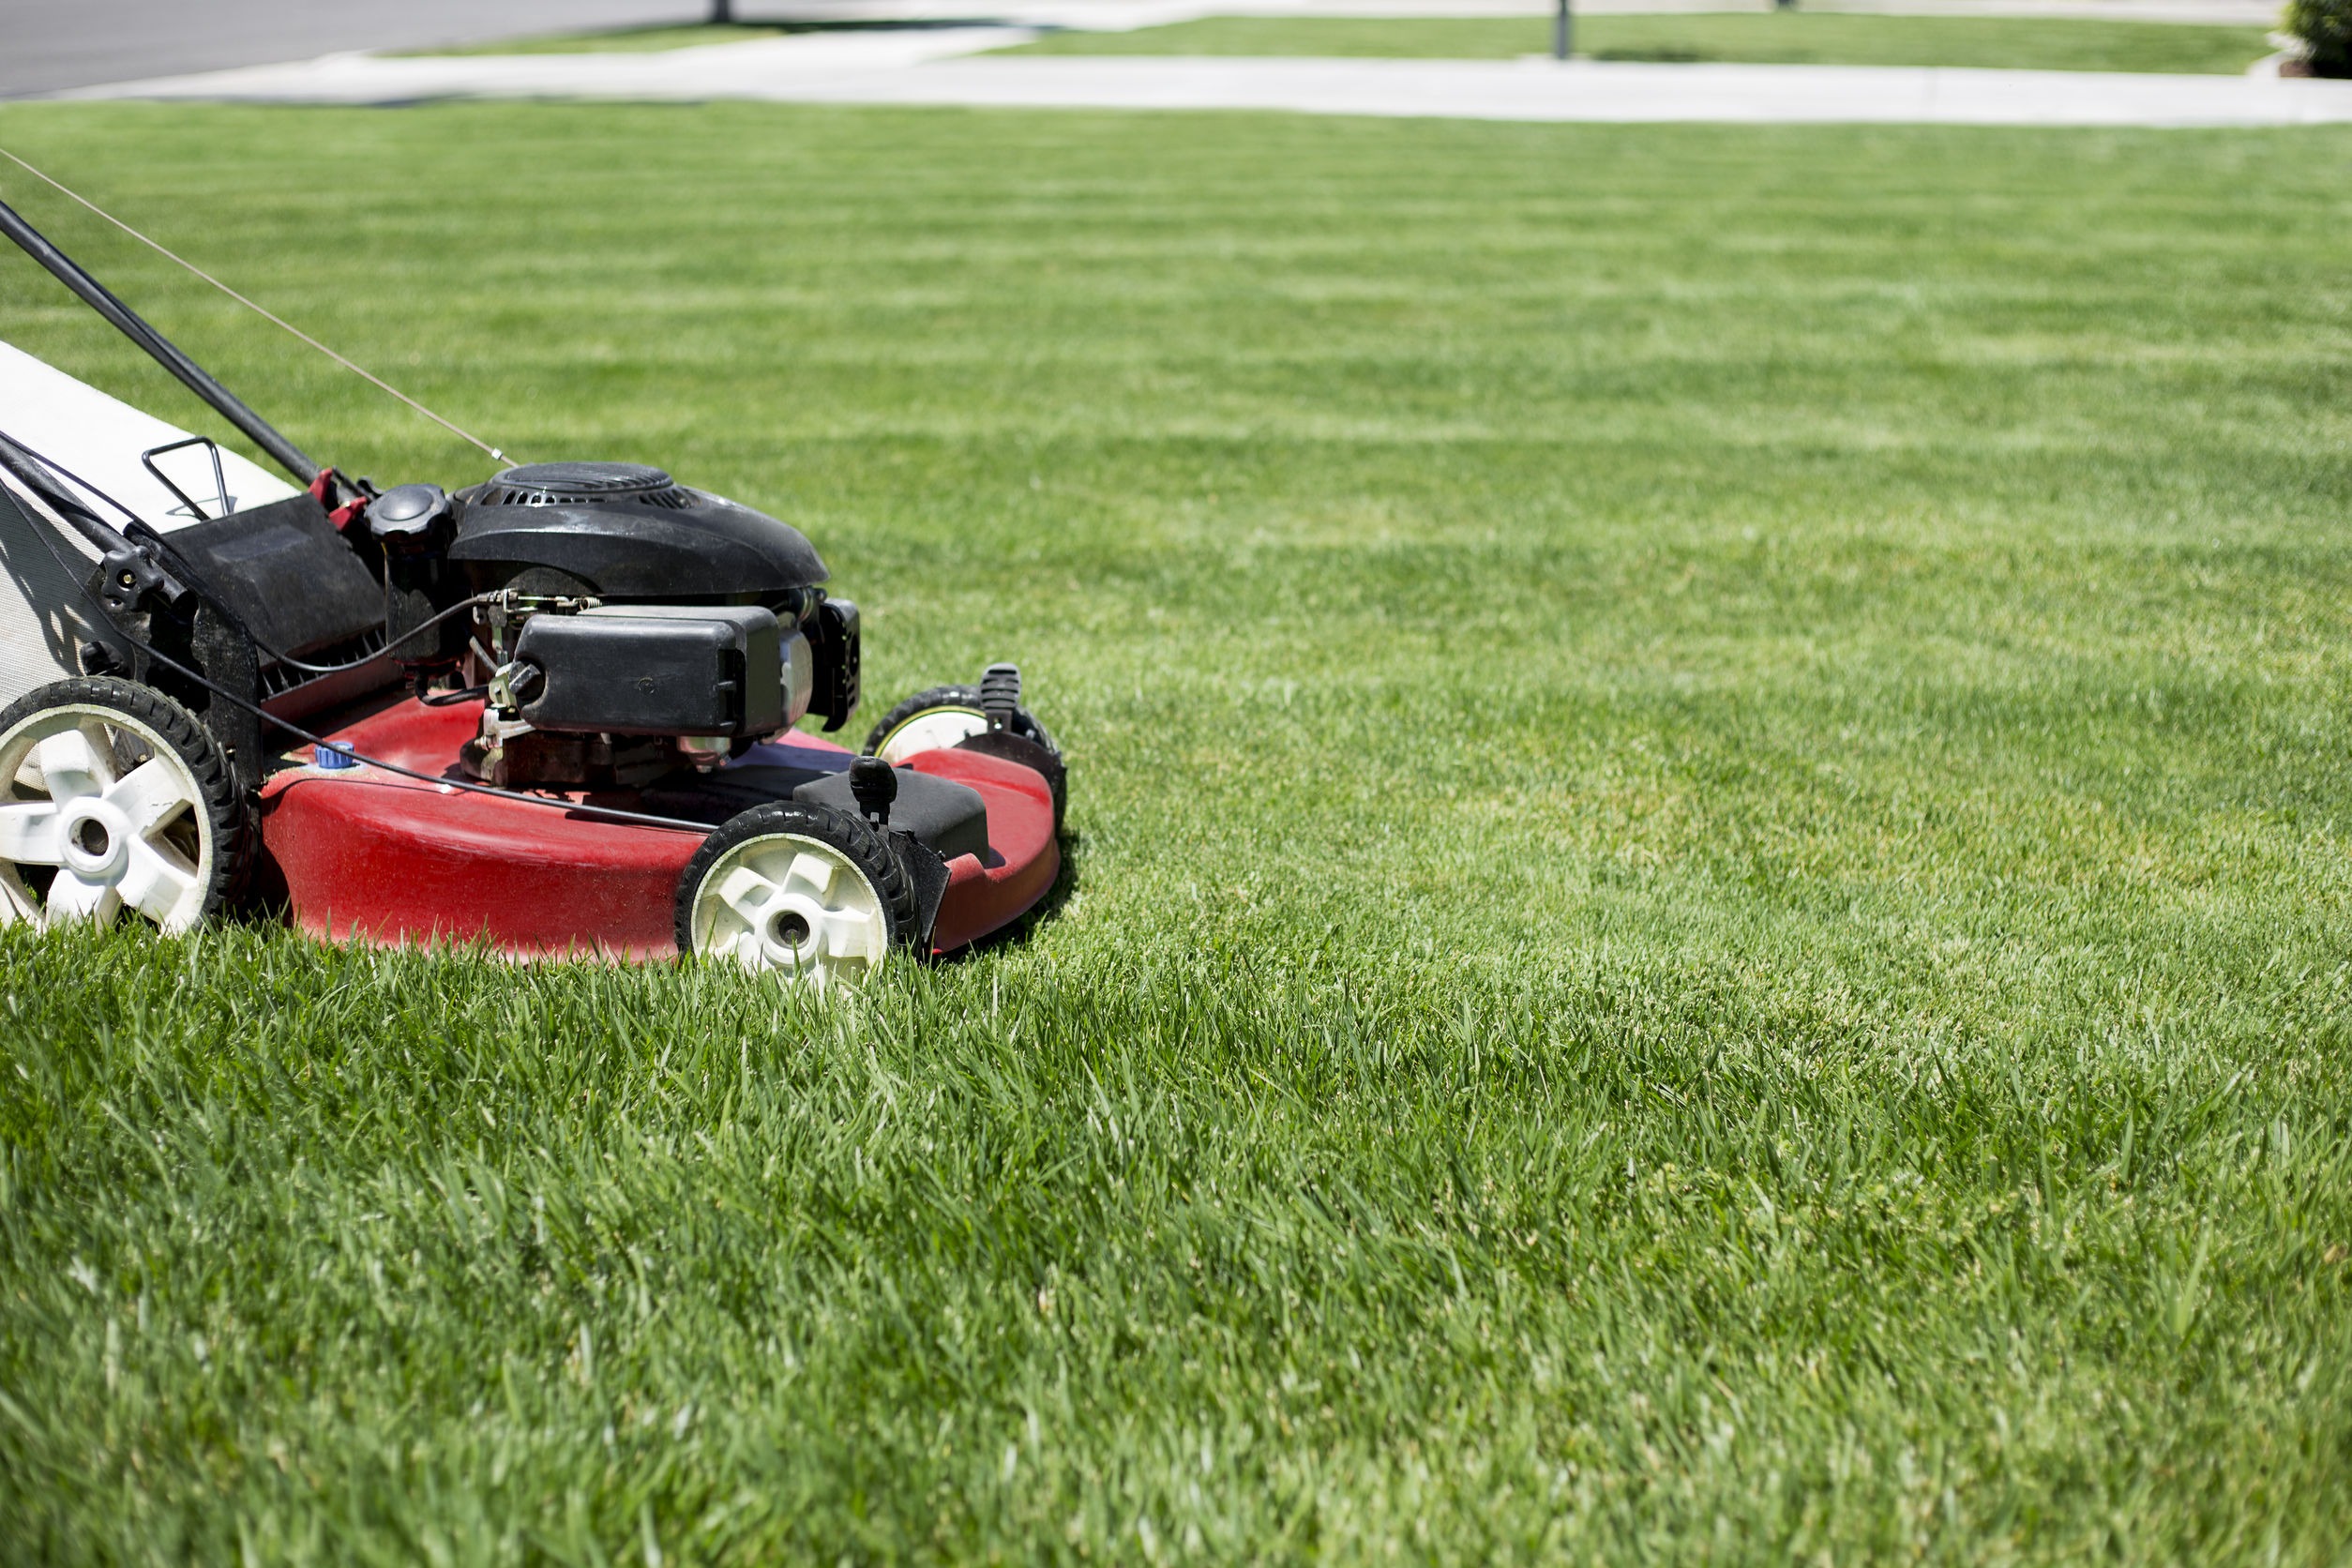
{"x": 288, "y": 574}
{"x": 630, "y": 532}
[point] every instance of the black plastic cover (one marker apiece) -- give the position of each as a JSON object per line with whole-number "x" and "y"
{"x": 950, "y": 818}
{"x": 630, "y": 532}
{"x": 284, "y": 571}
{"x": 927, "y": 876}
{"x": 656, "y": 669}
{"x": 833, "y": 637}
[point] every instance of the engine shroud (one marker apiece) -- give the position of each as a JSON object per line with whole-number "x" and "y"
{"x": 626, "y": 531}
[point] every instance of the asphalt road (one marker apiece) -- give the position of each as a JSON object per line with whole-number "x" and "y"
{"x": 46, "y": 45}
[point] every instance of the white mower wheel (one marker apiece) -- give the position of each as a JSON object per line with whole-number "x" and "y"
{"x": 941, "y": 717}
{"x": 934, "y": 731}
{"x": 113, "y": 797}
{"x": 804, "y": 892}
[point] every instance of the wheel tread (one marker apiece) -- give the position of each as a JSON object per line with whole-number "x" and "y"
{"x": 230, "y": 815}
{"x": 852, "y": 834}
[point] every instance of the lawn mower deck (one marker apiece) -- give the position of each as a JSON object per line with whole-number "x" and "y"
{"x": 365, "y": 855}
{"x": 554, "y": 712}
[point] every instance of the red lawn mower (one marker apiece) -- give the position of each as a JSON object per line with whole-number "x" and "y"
{"x": 554, "y": 712}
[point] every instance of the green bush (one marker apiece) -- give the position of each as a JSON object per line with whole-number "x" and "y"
{"x": 2326, "y": 29}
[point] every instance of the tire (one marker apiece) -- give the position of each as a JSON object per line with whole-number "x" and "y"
{"x": 151, "y": 818}
{"x": 799, "y": 890}
{"x": 937, "y": 712}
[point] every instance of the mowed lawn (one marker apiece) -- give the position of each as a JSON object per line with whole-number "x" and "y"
{"x": 1799, "y": 37}
{"x": 1709, "y": 866}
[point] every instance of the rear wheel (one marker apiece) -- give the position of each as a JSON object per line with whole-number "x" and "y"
{"x": 804, "y": 891}
{"x": 113, "y": 797}
{"x": 941, "y": 717}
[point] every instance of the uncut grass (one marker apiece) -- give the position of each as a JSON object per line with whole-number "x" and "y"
{"x": 1803, "y": 38}
{"x": 1708, "y": 859}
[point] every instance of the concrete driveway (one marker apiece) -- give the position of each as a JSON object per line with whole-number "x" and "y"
{"x": 50, "y": 44}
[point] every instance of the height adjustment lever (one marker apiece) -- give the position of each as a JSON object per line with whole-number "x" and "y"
{"x": 874, "y": 783}
{"x": 1001, "y": 695}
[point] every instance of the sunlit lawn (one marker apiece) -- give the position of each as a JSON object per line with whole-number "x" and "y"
{"x": 1710, "y": 841}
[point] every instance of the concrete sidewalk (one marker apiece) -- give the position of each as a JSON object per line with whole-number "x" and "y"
{"x": 923, "y": 68}
{"x": 1617, "y": 92}
{"x": 1103, "y": 16}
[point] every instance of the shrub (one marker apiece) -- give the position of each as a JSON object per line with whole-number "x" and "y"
{"x": 2326, "y": 29}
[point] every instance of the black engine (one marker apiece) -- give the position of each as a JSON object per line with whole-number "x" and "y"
{"x": 626, "y": 623}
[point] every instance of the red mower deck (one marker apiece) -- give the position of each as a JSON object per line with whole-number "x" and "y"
{"x": 367, "y": 856}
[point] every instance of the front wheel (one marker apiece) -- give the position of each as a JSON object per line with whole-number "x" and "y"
{"x": 802, "y": 891}
{"x": 113, "y": 797}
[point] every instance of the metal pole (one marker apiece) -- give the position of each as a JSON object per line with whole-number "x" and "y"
{"x": 1562, "y": 26}
{"x": 125, "y": 321}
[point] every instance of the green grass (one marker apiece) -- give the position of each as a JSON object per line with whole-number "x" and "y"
{"x": 1804, "y": 37}
{"x": 1713, "y": 840}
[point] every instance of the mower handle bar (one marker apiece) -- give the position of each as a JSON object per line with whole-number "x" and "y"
{"x": 159, "y": 348}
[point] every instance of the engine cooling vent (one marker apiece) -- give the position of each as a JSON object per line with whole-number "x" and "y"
{"x": 278, "y": 679}
{"x": 586, "y": 484}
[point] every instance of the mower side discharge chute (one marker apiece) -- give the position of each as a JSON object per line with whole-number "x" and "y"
{"x": 554, "y": 712}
